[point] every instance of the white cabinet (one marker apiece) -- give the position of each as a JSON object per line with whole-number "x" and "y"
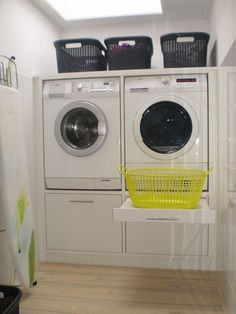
{"x": 167, "y": 239}
{"x": 162, "y": 231}
{"x": 82, "y": 222}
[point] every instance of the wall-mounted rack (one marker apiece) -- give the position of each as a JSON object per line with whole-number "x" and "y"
{"x": 8, "y": 72}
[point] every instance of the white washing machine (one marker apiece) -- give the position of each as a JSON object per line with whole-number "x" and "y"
{"x": 81, "y": 120}
{"x": 166, "y": 121}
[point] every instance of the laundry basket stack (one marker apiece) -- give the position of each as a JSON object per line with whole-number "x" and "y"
{"x": 88, "y": 54}
{"x": 185, "y": 49}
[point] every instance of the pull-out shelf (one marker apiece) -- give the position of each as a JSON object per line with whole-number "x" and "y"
{"x": 201, "y": 214}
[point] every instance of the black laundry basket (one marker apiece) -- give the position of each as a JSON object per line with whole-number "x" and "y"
{"x": 9, "y": 299}
{"x": 184, "y": 49}
{"x": 80, "y": 55}
{"x": 132, "y": 52}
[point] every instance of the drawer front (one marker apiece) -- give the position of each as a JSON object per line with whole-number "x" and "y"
{"x": 167, "y": 239}
{"x": 82, "y": 222}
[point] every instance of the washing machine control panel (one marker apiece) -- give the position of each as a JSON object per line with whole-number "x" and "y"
{"x": 94, "y": 86}
{"x": 73, "y": 88}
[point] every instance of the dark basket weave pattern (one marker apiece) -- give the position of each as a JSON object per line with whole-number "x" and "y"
{"x": 9, "y": 303}
{"x": 90, "y": 56}
{"x": 122, "y": 55}
{"x": 184, "y": 54}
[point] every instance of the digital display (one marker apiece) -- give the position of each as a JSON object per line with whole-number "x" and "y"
{"x": 186, "y": 80}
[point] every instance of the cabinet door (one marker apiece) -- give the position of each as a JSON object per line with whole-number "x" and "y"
{"x": 82, "y": 222}
{"x": 167, "y": 239}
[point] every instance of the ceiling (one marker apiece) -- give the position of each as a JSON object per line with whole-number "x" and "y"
{"x": 172, "y": 10}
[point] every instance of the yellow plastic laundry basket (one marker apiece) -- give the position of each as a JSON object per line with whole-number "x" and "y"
{"x": 164, "y": 187}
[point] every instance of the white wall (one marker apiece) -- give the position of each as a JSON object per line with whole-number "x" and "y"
{"x": 28, "y": 35}
{"x": 154, "y": 29}
{"x": 222, "y": 29}
{"x": 230, "y": 58}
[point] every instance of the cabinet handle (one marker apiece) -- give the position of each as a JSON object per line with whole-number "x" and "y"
{"x": 162, "y": 219}
{"x": 77, "y": 201}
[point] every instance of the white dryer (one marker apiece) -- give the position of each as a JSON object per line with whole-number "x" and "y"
{"x": 81, "y": 122}
{"x": 166, "y": 121}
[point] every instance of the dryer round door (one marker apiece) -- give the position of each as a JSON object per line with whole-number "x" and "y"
{"x": 166, "y": 127}
{"x": 80, "y": 128}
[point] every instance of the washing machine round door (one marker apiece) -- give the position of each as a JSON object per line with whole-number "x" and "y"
{"x": 80, "y": 128}
{"x": 166, "y": 127}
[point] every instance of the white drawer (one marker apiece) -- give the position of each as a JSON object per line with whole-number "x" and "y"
{"x": 82, "y": 222}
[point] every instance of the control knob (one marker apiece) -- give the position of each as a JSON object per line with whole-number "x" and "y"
{"x": 79, "y": 87}
{"x": 165, "y": 81}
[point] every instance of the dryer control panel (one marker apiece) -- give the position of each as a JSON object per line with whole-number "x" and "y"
{"x": 152, "y": 84}
{"x": 189, "y": 81}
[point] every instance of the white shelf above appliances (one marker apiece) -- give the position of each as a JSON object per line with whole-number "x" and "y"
{"x": 128, "y": 213}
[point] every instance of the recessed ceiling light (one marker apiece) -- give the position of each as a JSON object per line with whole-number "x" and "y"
{"x": 82, "y": 10}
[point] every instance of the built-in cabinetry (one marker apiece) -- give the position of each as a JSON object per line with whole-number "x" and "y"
{"x": 167, "y": 239}
{"x": 82, "y": 222}
{"x": 79, "y": 226}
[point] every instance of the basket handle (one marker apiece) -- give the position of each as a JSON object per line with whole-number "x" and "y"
{"x": 122, "y": 169}
{"x": 183, "y": 39}
{"x": 73, "y": 45}
{"x": 126, "y": 43}
{"x": 79, "y": 43}
{"x": 210, "y": 170}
